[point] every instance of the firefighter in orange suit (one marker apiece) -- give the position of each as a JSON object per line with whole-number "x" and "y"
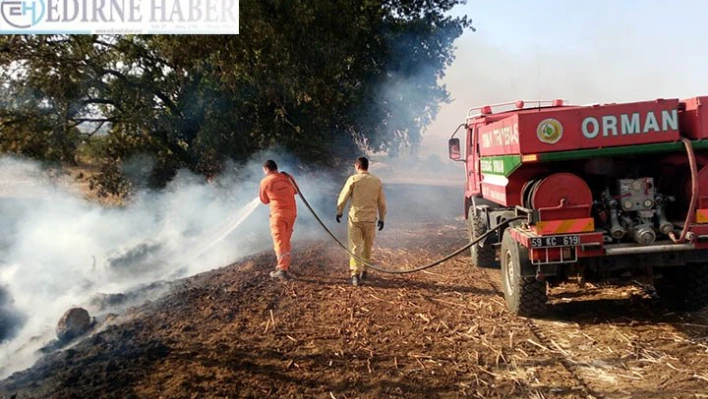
{"x": 277, "y": 190}
{"x": 367, "y": 198}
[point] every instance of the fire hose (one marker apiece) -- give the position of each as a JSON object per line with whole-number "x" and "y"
{"x": 694, "y": 192}
{"x": 474, "y": 241}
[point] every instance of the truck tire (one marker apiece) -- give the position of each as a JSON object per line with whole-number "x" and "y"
{"x": 684, "y": 288}
{"x": 525, "y": 296}
{"x": 485, "y": 257}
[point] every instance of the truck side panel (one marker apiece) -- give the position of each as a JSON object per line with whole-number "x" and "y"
{"x": 500, "y": 137}
{"x": 574, "y": 128}
{"x": 694, "y": 118}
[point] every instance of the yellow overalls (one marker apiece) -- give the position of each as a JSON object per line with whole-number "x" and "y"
{"x": 367, "y": 198}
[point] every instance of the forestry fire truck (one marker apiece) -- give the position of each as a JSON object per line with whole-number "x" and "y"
{"x": 607, "y": 191}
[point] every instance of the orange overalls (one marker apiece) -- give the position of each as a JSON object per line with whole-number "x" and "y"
{"x": 278, "y": 191}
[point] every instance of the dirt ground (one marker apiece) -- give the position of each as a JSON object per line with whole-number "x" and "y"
{"x": 446, "y": 333}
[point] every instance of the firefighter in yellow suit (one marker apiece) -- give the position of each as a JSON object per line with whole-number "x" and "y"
{"x": 367, "y": 198}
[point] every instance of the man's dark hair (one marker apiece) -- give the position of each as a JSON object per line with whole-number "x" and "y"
{"x": 362, "y": 162}
{"x": 270, "y": 165}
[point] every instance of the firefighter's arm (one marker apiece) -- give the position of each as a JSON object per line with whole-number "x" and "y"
{"x": 264, "y": 196}
{"x": 382, "y": 204}
{"x": 344, "y": 195}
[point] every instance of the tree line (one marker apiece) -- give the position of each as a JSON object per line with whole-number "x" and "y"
{"x": 322, "y": 79}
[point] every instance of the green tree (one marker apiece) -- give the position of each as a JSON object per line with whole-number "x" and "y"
{"x": 322, "y": 79}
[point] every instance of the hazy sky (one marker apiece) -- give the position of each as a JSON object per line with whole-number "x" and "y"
{"x": 581, "y": 51}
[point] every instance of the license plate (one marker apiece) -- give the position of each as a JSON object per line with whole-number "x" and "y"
{"x": 555, "y": 241}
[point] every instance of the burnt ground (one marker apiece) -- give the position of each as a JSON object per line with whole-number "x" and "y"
{"x": 234, "y": 333}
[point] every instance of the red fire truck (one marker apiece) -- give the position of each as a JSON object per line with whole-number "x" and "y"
{"x": 608, "y": 191}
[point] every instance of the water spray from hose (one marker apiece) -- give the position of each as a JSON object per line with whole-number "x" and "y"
{"x": 229, "y": 226}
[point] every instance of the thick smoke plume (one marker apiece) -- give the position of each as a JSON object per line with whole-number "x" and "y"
{"x": 59, "y": 250}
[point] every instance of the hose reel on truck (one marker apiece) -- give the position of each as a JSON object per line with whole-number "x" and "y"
{"x": 553, "y": 190}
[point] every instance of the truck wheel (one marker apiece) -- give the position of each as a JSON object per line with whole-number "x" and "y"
{"x": 486, "y": 256}
{"x": 525, "y": 296}
{"x": 684, "y": 288}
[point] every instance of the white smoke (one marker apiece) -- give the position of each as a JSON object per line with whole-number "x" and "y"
{"x": 59, "y": 250}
